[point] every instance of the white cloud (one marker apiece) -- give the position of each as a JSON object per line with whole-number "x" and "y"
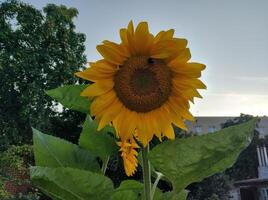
{"x": 228, "y": 104}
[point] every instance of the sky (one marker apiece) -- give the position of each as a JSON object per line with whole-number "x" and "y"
{"x": 230, "y": 37}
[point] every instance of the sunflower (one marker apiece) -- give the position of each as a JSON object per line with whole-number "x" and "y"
{"x": 143, "y": 85}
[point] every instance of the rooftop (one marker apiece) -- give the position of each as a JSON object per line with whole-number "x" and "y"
{"x": 211, "y": 124}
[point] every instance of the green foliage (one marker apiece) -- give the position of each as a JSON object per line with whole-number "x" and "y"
{"x": 38, "y": 51}
{"x": 247, "y": 163}
{"x": 214, "y": 197}
{"x": 100, "y": 142}
{"x": 69, "y": 96}
{"x": 130, "y": 189}
{"x": 182, "y": 161}
{"x": 60, "y": 161}
{"x": 15, "y": 157}
{"x": 188, "y": 160}
{"x": 182, "y": 195}
{"x": 54, "y": 156}
{"x": 14, "y": 174}
{"x": 216, "y": 185}
{"x": 133, "y": 190}
{"x": 66, "y": 125}
{"x": 50, "y": 151}
{"x": 4, "y": 195}
{"x": 64, "y": 183}
{"x": 237, "y": 120}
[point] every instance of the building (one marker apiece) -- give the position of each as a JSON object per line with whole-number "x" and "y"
{"x": 257, "y": 188}
{"x": 204, "y": 125}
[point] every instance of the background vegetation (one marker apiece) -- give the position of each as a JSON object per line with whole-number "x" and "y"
{"x": 39, "y": 50}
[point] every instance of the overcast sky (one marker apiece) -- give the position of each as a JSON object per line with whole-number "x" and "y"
{"x": 229, "y": 36}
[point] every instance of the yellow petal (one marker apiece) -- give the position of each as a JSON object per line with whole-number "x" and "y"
{"x": 144, "y": 130}
{"x": 94, "y": 74}
{"x": 149, "y": 128}
{"x": 176, "y": 119}
{"x": 102, "y": 102}
{"x": 166, "y": 49}
{"x": 187, "y": 94}
{"x": 123, "y": 36}
{"x": 163, "y": 119}
{"x": 111, "y": 55}
{"x": 188, "y": 67}
{"x": 163, "y": 49}
{"x": 168, "y": 34}
{"x": 110, "y": 114}
{"x": 193, "y": 82}
{"x": 149, "y": 44}
{"x": 156, "y": 128}
{"x": 164, "y": 35}
{"x": 129, "y": 155}
{"x": 192, "y": 93}
{"x": 131, "y": 43}
{"x": 181, "y": 102}
{"x": 141, "y": 38}
{"x": 191, "y": 70}
{"x": 98, "y": 88}
{"x": 180, "y": 108}
{"x": 83, "y": 75}
{"x": 125, "y": 130}
{"x": 180, "y": 43}
{"x": 180, "y": 123}
{"x": 183, "y": 73}
{"x": 104, "y": 66}
{"x": 180, "y": 90}
{"x": 119, "y": 49}
{"x": 183, "y": 82}
{"x": 196, "y": 66}
{"x": 169, "y": 132}
{"x": 158, "y": 36}
{"x": 183, "y": 57}
{"x": 130, "y": 27}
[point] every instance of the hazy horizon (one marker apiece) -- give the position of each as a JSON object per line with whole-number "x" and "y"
{"x": 230, "y": 37}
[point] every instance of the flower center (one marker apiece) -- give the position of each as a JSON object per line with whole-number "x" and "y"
{"x": 143, "y": 81}
{"x": 143, "y": 84}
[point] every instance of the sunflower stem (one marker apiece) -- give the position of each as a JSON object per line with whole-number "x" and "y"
{"x": 104, "y": 165}
{"x": 146, "y": 173}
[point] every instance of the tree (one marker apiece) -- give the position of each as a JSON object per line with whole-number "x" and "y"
{"x": 38, "y": 51}
{"x": 215, "y": 187}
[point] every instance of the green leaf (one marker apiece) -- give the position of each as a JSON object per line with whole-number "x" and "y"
{"x": 187, "y": 160}
{"x": 98, "y": 142}
{"x": 134, "y": 190}
{"x": 182, "y": 195}
{"x": 69, "y": 97}
{"x": 71, "y": 184}
{"x": 125, "y": 194}
{"x": 129, "y": 189}
{"x": 50, "y": 151}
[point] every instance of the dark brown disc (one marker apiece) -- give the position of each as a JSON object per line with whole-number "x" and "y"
{"x": 143, "y": 84}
